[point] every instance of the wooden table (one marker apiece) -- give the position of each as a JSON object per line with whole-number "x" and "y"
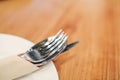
{"x": 95, "y": 23}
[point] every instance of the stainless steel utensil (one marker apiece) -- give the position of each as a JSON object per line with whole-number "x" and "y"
{"x": 44, "y": 51}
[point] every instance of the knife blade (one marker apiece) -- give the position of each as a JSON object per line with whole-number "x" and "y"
{"x": 69, "y": 46}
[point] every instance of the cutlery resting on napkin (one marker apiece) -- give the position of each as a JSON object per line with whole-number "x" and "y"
{"x": 38, "y": 55}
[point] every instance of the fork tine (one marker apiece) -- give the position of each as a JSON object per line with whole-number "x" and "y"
{"x": 60, "y": 45}
{"x": 51, "y": 39}
{"x": 56, "y": 45}
{"x": 55, "y": 41}
{"x": 60, "y": 40}
{"x": 59, "y": 32}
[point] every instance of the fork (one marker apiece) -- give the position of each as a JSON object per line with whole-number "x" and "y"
{"x": 46, "y": 50}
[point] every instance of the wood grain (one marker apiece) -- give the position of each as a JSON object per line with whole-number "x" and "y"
{"x": 95, "y": 23}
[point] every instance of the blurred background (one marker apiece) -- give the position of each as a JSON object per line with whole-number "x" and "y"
{"x": 95, "y": 23}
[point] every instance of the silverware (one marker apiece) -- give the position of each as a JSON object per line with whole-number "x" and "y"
{"x": 46, "y": 50}
{"x": 69, "y": 46}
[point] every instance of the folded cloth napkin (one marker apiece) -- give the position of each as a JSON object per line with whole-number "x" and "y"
{"x": 14, "y": 67}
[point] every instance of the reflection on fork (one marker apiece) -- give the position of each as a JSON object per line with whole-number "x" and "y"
{"x": 47, "y": 49}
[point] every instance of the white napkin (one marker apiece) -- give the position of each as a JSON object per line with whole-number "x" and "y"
{"x": 14, "y": 67}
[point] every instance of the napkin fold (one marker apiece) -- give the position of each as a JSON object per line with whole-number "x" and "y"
{"x": 14, "y": 67}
